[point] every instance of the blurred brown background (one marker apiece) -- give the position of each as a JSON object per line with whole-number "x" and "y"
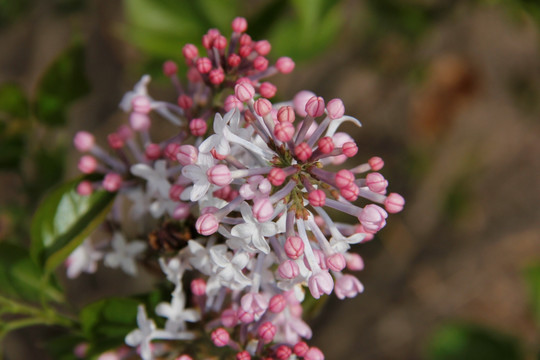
{"x": 452, "y": 105}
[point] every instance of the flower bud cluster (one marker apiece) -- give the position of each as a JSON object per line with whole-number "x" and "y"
{"x": 256, "y": 180}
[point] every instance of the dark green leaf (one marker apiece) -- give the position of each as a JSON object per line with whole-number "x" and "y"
{"x": 48, "y": 166}
{"x": 63, "y": 220}
{"x": 105, "y": 323}
{"x": 22, "y": 278}
{"x": 64, "y": 82}
{"x": 472, "y": 342}
{"x": 62, "y": 347}
{"x": 13, "y": 101}
{"x": 532, "y": 276}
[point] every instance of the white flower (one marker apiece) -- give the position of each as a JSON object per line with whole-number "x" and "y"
{"x": 197, "y": 174}
{"x": 83, "y": 259}
{"x": 156, "y": 178}
{"x": 200, "y": 258}
{"x": 143, "y": 335}
{"x": 219, "y": 140}
{"x": 254, "y": 230}
{"x": 229, "y": 267}
{"x": 172, "y": 269}
{"x": 175, "y": 311}
{"x": 124, "y": 254}
{"x": 140, "y": 89}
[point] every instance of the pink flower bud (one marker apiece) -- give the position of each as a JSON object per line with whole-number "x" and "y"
{"x": 394, "y": 203}
{"x": 182, "y": 211}
{"x": 152, "y": 151}
{"x": 283, "y": 352}
{"x": 301, "y": 348}
{"x": 216, "y": 155}
{"x": 243, "y": 355}
{"x": 267, "y": 89}
{"x": 220, "y": 42}
{"x": 124, "y": 132}
{"x": 232, "y": 102}
{"x": 262, "y": 107}
{"x": 285, "y": 65}
{"x": 175, "y": 191}
{"x": 294, "y": 247}
{"x": 335, "y": 109}
{"x": 239, "y": 25}
{"x": 112, "y": 182}
{"x": 219, "y": 175}
{"x": 115, "y": 141}
{"x": 244, "y": 91}
{"x": 141, "y": 104}
{"x": 336, "y": 262}
{"x": 80, "y": 350}
{"x": 185, "y": 102}
{"x": 350, "y": 192}
{"x": 302, "y": 151}
{"x": 349, "y": 149}
{"x": 263, "y": 210}
{"x": 288, "y": 269}
{"x": 376, "y": 163}
{"x": 223, "y": 193}
{"x": 300, "y": 100}
{"x": 190, "y": 51}
{"x": 234, "y": 60}
{"x": 198, "y": 287}
{"x": 184, "y": 357}
{"x": 254, "y": 303}
{"x": 220, "y": 337}
{"x": 85, "y": 188}
{"x": 343, "y": 178}
{"x": 245, "y": 50}
{"x": 319, "y": 257}
{"x": 285, "y": 114}
{"x": 198, "y": 127}
{"x": 317, "y": 198}
{"x": 87, "y": 164}
{"x": 207, "y": 224}
{"x": 263, "y": 47}
{"x": 245, "y": 39}
{"x": 348, "y": 286}
{"x": 260, "y": 63}
{"x": 207, "y": 41}
{"x": 170, "y": 68}
{"x": 83, "y": 141}
{"x": 228, "y": 318}
{"x": 171, "y": 151}
{"x": 320, "y": 283}
{"x": 314, "y": 354}
{"x": 284, "y": 131}
{"x": 354, "y": 262}
{"x": 276, "y": 176}
{"x": 139, "y": 122}
{"x": 376, "y": 182}
{"x": 244, "y": 316}
{"x": 204, "y": 65}
{"x": 326, "y": 145}
{"x": 187, "y": 154}
{"x": 367, "y": 236}
{"x": 267, "y": 331}
{"x": 315, "y": 106}
{"x": 277, "y": 303}
{"x": 216, "y": 76}
{"x": 372, "y": 218}
{"x": 247, "y": 192}
{"x": 193, "y": 75}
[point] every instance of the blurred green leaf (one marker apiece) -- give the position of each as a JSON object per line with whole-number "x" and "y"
{"x": 13, "y": 125}
{"x": 105, "y": 323}
{"x": 532, "y": 276}
{"x": 63, "y": 220}
{"x": 61, "y": 347}
{"x": 64, "y": 82}
{"x": 471, "y": 342}
{"x": 22, "y": 278}
{"x": 48, "y": 164}
{"x": 13, "y": 102}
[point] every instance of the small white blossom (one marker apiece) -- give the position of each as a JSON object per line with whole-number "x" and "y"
{"x": 124, "y": 254}
{"x": 83, "y": 259}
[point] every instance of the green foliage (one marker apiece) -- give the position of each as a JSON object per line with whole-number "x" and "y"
{"x": 105, "y": 323}
{"x": 532, "y": 277}
{"x": 63, "y": 220}
{"x": 472, "y": 342}
{"x": 13, "y": 124}
{"x": 63, "y": 83}
{"x": 21, "y": 278}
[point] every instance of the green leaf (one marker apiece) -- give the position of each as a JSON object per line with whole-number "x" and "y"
{"x": 532, "y": 276}
{"x": 64, "y": 82}
{"x": 13, "y": 101}
{"x": 21, "y": 278}
{"x": 63, "y": 220}
{"x": 105, "y": 323}
{"x": 472, "y": 342}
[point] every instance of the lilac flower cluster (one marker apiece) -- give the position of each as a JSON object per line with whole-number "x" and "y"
{"x": 256, "y": 190}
